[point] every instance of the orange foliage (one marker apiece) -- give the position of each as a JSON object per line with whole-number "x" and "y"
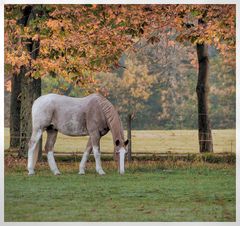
{"x": 79, "y": 38}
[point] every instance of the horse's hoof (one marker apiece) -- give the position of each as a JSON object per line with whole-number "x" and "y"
{"x": 81, "y": 172}
{"x": 101, "y": 172}
{"x": 31, "y": 172}
{"x": 57, "y": 173}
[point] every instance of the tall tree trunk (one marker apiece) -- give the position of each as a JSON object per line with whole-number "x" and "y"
{"x": 30, "y": 87}
{"x": 31, "y": 90}
{"x": 204, "y": 127}
{"x": 129, "y": 136}
{"x": 15, "y": 107}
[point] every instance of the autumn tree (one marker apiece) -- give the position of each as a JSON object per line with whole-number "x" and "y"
{"x": 64, "y": 51}
{"x": 74, "y": 40}
{"x": 25, "y": 88}
{"x": 204, "y": 25}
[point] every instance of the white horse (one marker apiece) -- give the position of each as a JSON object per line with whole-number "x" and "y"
{"x": 93, "y": 115}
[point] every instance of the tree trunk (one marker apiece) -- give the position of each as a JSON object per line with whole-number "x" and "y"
{"x": 204, "y": 128}
{"x": 129, "y": 136}
{"x": 30, "y": 87}
{"x": 31, "y": 90}
{"x": 15, "y": 107}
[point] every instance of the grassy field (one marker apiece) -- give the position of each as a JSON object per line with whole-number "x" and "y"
{"x": 159, "y": 141}
{"x": 149, "y": 191}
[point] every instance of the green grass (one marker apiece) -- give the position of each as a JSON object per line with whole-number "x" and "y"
{"x": 147, "y": 192}
{"x": 159, "y": 141}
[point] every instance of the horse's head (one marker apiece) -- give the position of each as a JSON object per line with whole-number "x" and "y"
{"x": 121, "y": 151}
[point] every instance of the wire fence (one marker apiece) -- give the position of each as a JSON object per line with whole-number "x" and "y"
{"x": 148, "y": 142}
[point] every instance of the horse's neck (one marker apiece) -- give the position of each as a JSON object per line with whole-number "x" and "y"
{"x": 117, "y": 131}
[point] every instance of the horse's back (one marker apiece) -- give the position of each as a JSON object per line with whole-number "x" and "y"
{"x": 70, "y": 115}
{"x": 44, "y": 99}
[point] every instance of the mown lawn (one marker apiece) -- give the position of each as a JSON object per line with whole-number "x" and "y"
{"x": 147, "y": 192}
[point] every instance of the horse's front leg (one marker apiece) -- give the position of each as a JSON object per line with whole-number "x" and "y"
{"x": 97, "y": 154}
{"x": 85, "y": 156}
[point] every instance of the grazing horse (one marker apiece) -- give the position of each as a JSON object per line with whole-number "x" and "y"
{"x": 92, "y": 115}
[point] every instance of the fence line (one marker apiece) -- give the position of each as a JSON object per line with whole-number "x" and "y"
{"x": 79, "y": 154}
{"x": 161, "y": 141}
{"x": 170, "y": 142}
{"x": 160, "y": 135}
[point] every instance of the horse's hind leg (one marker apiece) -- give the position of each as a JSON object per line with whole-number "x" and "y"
{"x": 85, "y": 156}
{"x": 33, "y": 149}
{"x": 51, "y": 139}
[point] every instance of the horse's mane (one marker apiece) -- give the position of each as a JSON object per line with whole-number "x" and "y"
{"x": 112, "y": 117}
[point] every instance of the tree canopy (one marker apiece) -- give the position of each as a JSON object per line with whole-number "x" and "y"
{"x": 76, "y": 39}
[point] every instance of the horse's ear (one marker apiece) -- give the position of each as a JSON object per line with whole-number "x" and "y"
{"x": 126, "y": 142}
{"x": 117, "y": 142}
